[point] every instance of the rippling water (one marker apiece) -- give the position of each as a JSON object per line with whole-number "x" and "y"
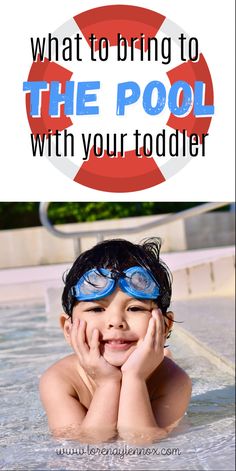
{"x": 30, "y": 342}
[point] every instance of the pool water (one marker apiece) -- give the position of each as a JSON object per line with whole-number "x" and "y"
{"x": 30, "y": 341}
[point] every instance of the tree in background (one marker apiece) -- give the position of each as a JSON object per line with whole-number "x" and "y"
{"x": 19, "y": 215}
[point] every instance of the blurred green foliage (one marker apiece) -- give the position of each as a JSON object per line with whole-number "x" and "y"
{"x": 17, "y": 215}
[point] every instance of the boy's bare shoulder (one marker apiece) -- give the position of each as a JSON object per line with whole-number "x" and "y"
{"x": 167, "y": 376}
{"x": 60, "y": 395}
{"x": 61, "y": 373}
{"x": 174, "y": 372}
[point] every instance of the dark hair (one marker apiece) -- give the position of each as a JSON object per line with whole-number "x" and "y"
{"x": 118, "y": 255}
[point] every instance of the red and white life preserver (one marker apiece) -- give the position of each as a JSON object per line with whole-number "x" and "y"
{"x": 128, "y": 174}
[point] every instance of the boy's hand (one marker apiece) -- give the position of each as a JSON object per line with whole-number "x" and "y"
{"x": 150, "y": 352}
{"x": 90, "y": 357}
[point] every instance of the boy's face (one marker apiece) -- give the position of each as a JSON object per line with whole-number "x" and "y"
{"x": 122, "y": 322}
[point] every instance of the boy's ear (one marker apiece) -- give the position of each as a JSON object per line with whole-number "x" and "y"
{"x": 65, "y": 323}
{"x": 168, "y": 319}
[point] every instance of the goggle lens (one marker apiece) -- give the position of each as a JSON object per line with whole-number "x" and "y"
{"x": 93, "y": 282}
{"x": 140, "y": 282}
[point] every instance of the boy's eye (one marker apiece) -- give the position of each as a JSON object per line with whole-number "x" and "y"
{"x": 138, "y": 308}
{"x": 95, "y": 309}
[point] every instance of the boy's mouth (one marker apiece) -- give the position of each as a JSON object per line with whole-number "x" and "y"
{"x": 118, "y": 343}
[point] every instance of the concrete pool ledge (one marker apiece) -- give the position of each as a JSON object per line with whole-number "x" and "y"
{"x": 204, "y": 350}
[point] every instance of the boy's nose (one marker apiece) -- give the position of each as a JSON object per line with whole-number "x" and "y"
{"x": 116, "y": 324}
{"x": 116, "y": 320}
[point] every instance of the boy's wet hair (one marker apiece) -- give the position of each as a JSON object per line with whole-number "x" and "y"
{"x": 118, "y": 255}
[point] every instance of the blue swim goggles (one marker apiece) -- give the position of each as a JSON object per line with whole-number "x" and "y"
{"x": 99, "y": 283}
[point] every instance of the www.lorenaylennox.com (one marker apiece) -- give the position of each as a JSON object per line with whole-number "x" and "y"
{"x": 116, "y": 451}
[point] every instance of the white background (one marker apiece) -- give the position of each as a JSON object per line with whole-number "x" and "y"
{"x": 24, "y": 178}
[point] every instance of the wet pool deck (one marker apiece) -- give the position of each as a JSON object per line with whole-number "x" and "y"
{"x": 208, "y": 321}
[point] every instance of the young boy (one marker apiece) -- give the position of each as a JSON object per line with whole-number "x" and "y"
{"x": 118, "y": 382}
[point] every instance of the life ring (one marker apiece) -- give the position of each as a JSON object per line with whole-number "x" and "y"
{"x": 131, "y": 173}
